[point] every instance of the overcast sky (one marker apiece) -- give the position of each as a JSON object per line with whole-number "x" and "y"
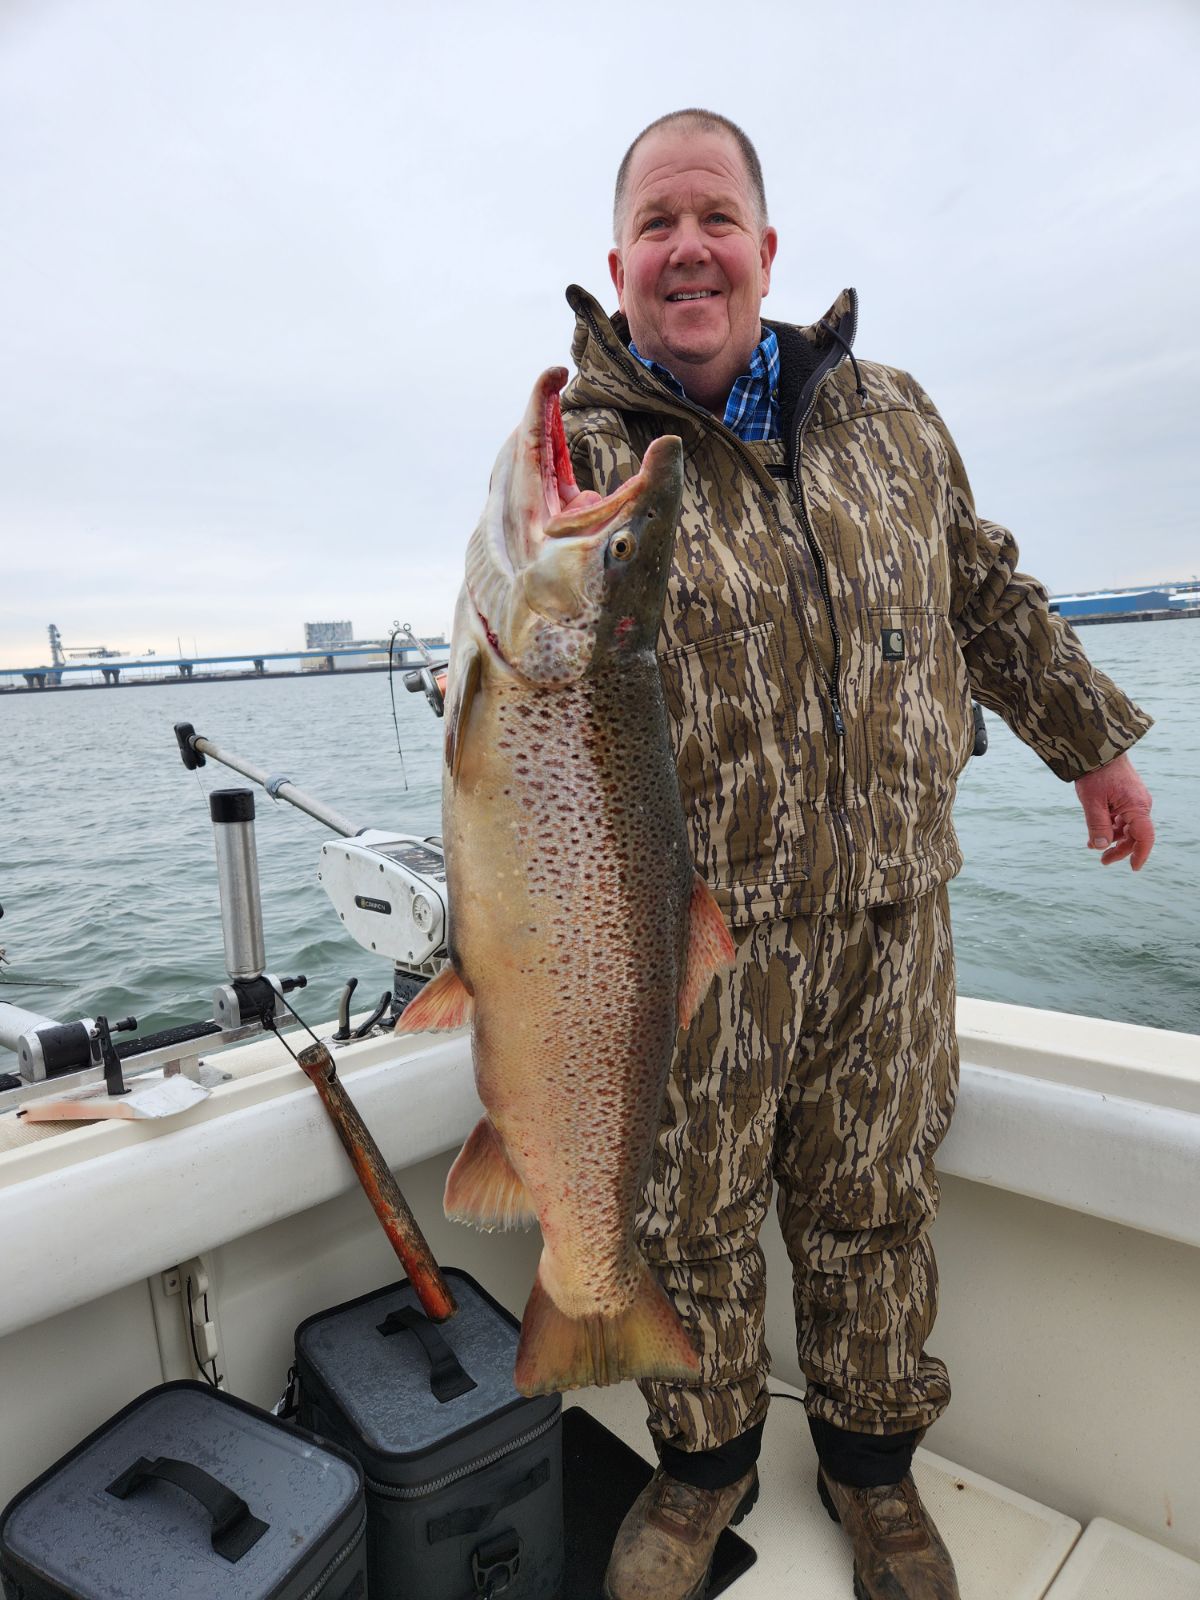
{"x": 276, "y": 277}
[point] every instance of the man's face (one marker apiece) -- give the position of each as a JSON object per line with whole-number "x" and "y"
{"x": 692, "y": 265}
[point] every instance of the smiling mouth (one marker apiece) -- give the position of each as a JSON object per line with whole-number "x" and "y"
{"x": 692, "y": 294}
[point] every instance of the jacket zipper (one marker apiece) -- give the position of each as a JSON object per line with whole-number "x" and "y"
{"x": 340, "y": 1559}
{"x": 417, "y": 1491}
{"x": 815, "y": 550}
{"x": 655, "y": 391}
{"x": 818, "y": 556}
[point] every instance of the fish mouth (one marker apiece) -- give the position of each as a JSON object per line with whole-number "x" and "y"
{"x": 572, "y": 512}
{"x": 559, "y": 488}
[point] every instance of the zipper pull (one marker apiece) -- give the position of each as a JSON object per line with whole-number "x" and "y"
{"x": 839, "y": 727}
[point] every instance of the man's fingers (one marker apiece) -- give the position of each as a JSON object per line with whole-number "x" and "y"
{"x": 1095, "y": 814}
{"x": 1134, "y": 837}
{"x": 1141, "y": 829}
{"x": 1116, "y": 808}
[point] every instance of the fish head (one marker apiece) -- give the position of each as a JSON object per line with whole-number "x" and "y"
{"x": 567, "y": 581}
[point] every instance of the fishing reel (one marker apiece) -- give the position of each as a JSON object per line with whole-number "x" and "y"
{"x": 430, "y": 679}
{"x": 389, "y": 891}
{"x": 388, "y": 888}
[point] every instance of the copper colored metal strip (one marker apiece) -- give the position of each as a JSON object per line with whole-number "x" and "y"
{"x": 381, "y": 1187}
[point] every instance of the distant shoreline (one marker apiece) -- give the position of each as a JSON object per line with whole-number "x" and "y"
{"x": 1096, "y": 620}
{"x": 1175, "y": 614}
{"x": 196, "y": 677}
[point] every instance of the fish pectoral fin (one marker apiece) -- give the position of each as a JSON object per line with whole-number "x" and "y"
{"x": 483, "y": 1187}
{"x": 444, "y": 1003}
{"x": 709, "y": 949}
{"x": 460, "y": 712}
{"x": 558, "y": 1352}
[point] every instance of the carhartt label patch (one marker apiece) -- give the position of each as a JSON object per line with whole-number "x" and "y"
{"x": 893, "y": 644}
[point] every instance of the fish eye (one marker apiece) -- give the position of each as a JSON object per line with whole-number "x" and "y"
{"x": 620, "y": 546}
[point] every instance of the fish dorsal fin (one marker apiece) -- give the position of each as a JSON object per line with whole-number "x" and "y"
{"x": 444, "y": 1003}
{"x": 709, "y": 949}
{"x": 460, "y": 712}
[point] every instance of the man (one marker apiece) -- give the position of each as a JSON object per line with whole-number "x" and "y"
{"x": 834, "y": 604}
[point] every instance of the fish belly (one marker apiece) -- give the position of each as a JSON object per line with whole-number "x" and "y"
{"x": 570, "y": 877}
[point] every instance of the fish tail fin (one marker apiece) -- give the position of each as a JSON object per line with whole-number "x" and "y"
{"x": 483, "y": 1187}
{"x": 558, "y": 1351}
{"x": 445, "y": 1002}
{"x": 709, "y": 949}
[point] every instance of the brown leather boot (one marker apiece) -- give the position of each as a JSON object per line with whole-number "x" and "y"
{"x": 898, "y": 1553}
{"x": 664, "y": 1548}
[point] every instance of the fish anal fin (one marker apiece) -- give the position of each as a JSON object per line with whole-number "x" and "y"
{"x": 460, "y": 711}
{"x": 709, "y": 949}
{"x": 444, "y": 1003}
{"x": 558, "y": 1352}
{"x": 483, "y": 1187}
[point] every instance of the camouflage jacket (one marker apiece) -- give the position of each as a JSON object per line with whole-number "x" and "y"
{"x": 834, "y": 604}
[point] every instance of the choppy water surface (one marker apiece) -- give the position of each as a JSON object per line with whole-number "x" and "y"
{"x": 108, "y": 882}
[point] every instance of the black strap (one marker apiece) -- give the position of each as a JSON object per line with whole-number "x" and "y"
{"x": 234, "y": 1529}
{"x": 472, "y": 1518}
{"x": 845, "y": 344}
{"x": 288, "y": 1404}
{"x": 447, "y": 1379}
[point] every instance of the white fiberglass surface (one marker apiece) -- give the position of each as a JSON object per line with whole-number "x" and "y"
{"x": 1111, "y": 1563}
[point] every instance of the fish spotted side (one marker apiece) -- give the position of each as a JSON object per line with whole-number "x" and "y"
{"x": 581, "y": 935}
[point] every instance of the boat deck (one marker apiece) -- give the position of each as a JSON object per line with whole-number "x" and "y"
{"x": 1005, "y": 1546}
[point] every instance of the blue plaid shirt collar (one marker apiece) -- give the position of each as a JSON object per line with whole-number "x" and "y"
{"x": 752, "y": 410}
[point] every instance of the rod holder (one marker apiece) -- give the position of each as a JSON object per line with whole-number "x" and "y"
{"x": 232, "y": 812}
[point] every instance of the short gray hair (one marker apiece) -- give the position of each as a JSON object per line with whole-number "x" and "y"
{"x": 695, "y": 120}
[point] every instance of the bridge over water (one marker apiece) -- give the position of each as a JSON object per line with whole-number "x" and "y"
{"x": 174, "y": 668}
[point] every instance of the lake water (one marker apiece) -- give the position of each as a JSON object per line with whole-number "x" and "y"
{"x": 108, "y": 882}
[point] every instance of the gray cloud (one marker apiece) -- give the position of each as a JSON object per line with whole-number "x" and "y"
{"x": 277, "y": 280}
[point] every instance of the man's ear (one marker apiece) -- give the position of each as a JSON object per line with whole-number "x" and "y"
{"x": 767, "y": 249}
{"x": 616, "y": 269}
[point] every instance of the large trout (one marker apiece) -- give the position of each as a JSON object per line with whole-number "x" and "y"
{"x": 581, "y": 935}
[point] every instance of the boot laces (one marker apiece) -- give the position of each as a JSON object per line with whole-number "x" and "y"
{"x": 893, "y": 1509}
{"x": 680, "y": 1501}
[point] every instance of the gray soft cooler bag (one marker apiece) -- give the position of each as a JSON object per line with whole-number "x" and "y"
{"x": 189, "y": 1494}
{"x": 464, "y": 1475}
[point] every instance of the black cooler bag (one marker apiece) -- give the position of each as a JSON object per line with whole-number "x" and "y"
{"x": 189, "y": 1494}
{"x": 464, "y": 1475}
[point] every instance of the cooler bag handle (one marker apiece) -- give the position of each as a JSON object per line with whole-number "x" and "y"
{"x": 472, "y": 1518}
{"x": 495, "y": 1565}
{"x": 447, "y": 1380}
{"x": 234, "y": 1528}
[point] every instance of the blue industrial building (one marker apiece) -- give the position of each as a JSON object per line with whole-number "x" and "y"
{"x": 1110, "y": 602}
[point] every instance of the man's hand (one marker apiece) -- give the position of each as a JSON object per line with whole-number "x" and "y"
{"x": 1116, "y": 804}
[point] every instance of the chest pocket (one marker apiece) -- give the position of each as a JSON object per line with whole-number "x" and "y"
{"x": 727, "y": 704}
{"x": 916, "y": 728}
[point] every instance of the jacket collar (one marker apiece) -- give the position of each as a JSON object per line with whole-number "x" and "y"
{"x": 608, "y": 375}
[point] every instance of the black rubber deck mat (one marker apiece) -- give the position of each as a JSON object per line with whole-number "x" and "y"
{"x": 602, "y": 1477}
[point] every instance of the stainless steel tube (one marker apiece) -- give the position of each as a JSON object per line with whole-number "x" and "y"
{"x": 15, "y": 1020}
{"x": 278, "y": 788}
{"x": 232, "y": 812}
